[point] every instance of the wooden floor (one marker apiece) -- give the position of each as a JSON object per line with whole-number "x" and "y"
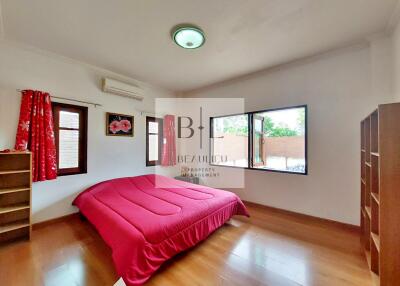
{"x": 270, "y": 248}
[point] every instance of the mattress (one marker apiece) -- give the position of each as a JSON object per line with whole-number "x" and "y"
{"x": 148, "y": 219}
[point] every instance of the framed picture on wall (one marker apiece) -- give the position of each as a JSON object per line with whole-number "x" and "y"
{"x": 119, "y": 125}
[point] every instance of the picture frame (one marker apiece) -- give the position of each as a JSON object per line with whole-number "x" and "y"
{"x": 119, "y": 125}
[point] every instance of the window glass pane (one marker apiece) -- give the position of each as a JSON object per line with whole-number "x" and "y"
{"x": 69, "y": 119}
{"x": 153, "y": 147}
{"x": 68, "y": 149}
{"x": 280, "y": 144}
{"x": 258, "y": 140}
{"x": 230, "y": 142}
{"x": 258, "y": 125}
{"x": 153, "y": 127}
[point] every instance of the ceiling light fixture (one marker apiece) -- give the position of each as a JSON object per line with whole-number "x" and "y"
{"x": 188, "y": 37}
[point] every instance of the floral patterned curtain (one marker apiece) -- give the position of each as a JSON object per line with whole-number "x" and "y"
{"x": 168, "y": 157}
{"x": 36, "y": 133}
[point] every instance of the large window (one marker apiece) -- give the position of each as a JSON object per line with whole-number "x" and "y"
{"x": 277, "y": 140}
{"x": 154, "y": 137}
{"x": 70, "y": 130}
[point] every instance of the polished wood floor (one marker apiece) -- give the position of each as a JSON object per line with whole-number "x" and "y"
{"x": 270, "y": 248}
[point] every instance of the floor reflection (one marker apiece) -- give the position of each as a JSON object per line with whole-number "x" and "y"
{"x": 272, "y": 258}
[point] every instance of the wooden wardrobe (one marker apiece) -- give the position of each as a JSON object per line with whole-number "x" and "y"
{"x": 380, "y": 193}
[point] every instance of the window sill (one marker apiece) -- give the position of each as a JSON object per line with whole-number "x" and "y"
{"x": 264, "y": 170}
{"x": 71, "y": 174}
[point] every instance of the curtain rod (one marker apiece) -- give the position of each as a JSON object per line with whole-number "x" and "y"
{"x": 145, "y": 112}
{"x": 74, "y": 100}
{"x": 155, "y": 114}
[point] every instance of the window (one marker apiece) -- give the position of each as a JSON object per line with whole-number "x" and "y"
{"x": 278, "y": 140}
{"x": 154, "y": 137}
{"x": 70, "y": 130}
{"x": 231, "y": 146}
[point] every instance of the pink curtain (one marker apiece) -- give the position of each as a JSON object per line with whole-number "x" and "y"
{"x": 168, "y": 157}
{"x": 36, "y": 133}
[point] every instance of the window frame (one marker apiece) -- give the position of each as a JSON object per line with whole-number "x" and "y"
{"x": 160, "y": 122}
{"x": 83, "y": 129}
{"x": 250, "y": 155}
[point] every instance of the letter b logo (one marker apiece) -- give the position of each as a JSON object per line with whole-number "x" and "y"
{"x": 188, "y": 127}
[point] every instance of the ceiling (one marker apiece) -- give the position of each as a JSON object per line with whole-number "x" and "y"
{"x": 132, "y": 37}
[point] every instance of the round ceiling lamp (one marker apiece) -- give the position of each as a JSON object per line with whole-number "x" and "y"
{"x": 188, "y": 37}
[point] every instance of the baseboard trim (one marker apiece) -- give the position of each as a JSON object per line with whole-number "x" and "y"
{"x": 309, "y": 218}
{"x": 297, "y": 215}
{"x": 45, "y": 223}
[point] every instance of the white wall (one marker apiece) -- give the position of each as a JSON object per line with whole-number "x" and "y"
{"x": 337, "y": 89}
{"x": 381, "y": 65}
{"x": 396, "y": 62}
{"x": 108, "y": 157}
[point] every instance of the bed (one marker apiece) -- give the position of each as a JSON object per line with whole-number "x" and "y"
{"x": 148, "y": 219}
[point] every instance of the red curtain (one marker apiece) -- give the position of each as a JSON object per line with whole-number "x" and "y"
{"x": 168, "y": 157}
{"x": 36, "y": 133}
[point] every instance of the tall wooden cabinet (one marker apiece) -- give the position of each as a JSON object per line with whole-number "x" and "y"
{"x": 380, "y": 192}
{"x": 15, "y": 196}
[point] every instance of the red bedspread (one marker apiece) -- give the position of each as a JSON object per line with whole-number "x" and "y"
{"x": 148, "y": 219}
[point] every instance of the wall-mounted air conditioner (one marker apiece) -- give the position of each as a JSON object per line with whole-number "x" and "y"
{"x": 123, "y": 89}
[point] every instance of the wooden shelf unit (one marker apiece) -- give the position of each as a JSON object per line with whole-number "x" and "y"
{"x": 13, "y": 190}
{"x": 368, "y": 210}
{"x": 15, "y": 196}
{"x": 380, "y": 193}
{"x": 375, "y": 196}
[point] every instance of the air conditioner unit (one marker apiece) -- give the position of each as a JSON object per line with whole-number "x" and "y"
{"x": 123, "y": 89}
